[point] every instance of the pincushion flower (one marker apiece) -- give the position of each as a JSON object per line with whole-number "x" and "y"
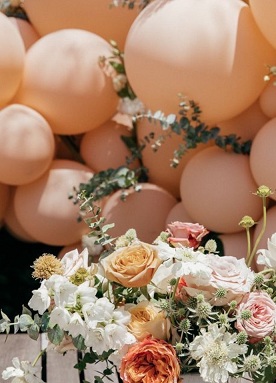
{"x": 216, "y": 353}
{"x": 150, "y": 361}
{"x": 186, "y": 234}
{"x": 132, "y": 266}
{"x": 22, "y": 372}
{"x": 147, "y": 319}
{"x": 261, "y": 320}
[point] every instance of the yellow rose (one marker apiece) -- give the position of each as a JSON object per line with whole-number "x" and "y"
{"x": 132, "y": 266}
{"x": 147, "y": 319}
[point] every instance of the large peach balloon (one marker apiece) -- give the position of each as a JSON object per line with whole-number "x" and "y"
{"x": 4, "y": 200}
{"x": 247, "y": 124}
{"x": 64, "y": 82}
{"x": 11, "y": 222}
{"x": 159, "y": 162}
{"x": 146, "y": 211}
{"x": 27, "y": 32}
{"x": 178, "y": 213}
{"x": 95, "y": 16}
{"x": 263, "y": 156}
{"x": 216, "y": 189}
{"x": 44, "y": 209}
{"x": 211, "y": 51}
{"x": 11, "y": 60}
{"x": 264, "y": 15}
{"x": 234, "y": 244}
{"x": 267, "y": 99}
{"x": 27, "y": 145}
{"x": 103, "y": 147}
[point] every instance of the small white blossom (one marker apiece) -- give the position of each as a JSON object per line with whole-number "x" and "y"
{"x": 268, "y": 257}
{"x": 130, "y": 107}
{"x": 61, "y": 317}
{"x": 40, "y": 301}
{"x": 76, "y": 325}
{"x": 72, "y": 261}
{"x": 61, "y": 289}
{"x": 22, "y": 372}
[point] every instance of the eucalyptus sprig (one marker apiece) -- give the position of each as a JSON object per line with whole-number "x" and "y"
{"x": 130, "y": 4}
{"x": 191, "y": 128}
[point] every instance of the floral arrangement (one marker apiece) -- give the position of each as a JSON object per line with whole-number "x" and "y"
{"x": 154, "y": 312}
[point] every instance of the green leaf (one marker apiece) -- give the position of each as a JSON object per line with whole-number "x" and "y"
{"x": 78, "y": 342}
{"x": 55, "y": 335}
{"x": 5, "y": 317}
{"x": 33, "y": 331}
{"x": 25, "y": 321}
{"x": 25, "y": 310}
{"x": 45, "y": 322}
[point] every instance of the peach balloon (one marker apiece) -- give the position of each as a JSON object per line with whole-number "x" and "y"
{"x": 216, "y": 189}
{"x": 263, "y": 156}
{"x": 212, "y": 52}
{"x": 27, "y": 32}
{"x": 159, "y": 163}
{"x": 11, "y": 222}
{"x": 44, "y": 209}
{"x": 267, "y": 99}
{"x": 63, "y": 81}
{"x": 27, "y": 145}
{"x": 145, "y": 211}
{"x": 103, "y": 148}
{"x": 95, "y": 16}
{"x": 66, "y": 249}
{"x": 4, "y": 200}
{"x": 263, "y": 12}
{"x": 234, "y": 244}
{"x": 11, "y": 61}
{"x": 247, "y": 124}
{"x": 178, "y": 213}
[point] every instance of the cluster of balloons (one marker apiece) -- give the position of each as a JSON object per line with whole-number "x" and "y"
{"x": 215, "y": 53}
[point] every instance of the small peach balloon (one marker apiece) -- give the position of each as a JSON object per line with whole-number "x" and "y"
{"x": 27, "y": 32}
{"x": 159, "y": 162}
{"x": 66, "y": 249}
{"x": 11, "y": 222}
{"x": 145, "y": 211}
{"x": 12, "y": 61}
{"x": 178, "y": 213}
{"x": 4, "y": 200}
{"x": 247, "y": 124}
{"x": 27, "y": 145}
{"x": 63, "y": 81}
{"x": 263, "y": 156}
{"x": 44, "y": 209}
{"x": 234, "y": 244}
{"x": 207, "y": 58}
{"x": 263, "y": 12}
{"x": 216, "y": 190}
{"x": 96, "y": 16}
{"x": 103, "y": 148}
{"x": 267, "y": 99}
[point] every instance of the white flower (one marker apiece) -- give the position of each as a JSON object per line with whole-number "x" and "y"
{"x": 22, "y": 372}
{"x": 95, "y": 339}
{"x": 121, "y": 317}
{"x": 61, "y": 317}
{"x": 85, "y": 294}
{"x": 40, "y": 300}
{"x": 268, "y": 257}
{"x": 166, "y": 253}
{"x": 130, "y": 107}
{"x": 61, "y": 289}
{"x": 117, "y": 336}
{"x": 76, "y": 326}
{"x": 216, "y": 353}
{"x": 161, "y": 279}
{"x": 99, "y": 312}
{"x": 72, "y": 261}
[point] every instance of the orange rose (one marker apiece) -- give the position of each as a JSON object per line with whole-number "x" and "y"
{"x": 132, "y": 266}
{"x": 150, "y": 361}
{"x": 147, "y": 319}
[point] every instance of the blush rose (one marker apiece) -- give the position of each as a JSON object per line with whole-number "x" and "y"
{"x": 186, "y": 234}
{"x": 132, "y": 266}
{"x": 152, "y": 360}
{"x": 263, "y": 316}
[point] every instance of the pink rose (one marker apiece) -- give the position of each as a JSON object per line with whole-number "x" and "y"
{"x": 263, "y": 315}
{"x": 214, "y": 273}
{"x": 186, "y": 234}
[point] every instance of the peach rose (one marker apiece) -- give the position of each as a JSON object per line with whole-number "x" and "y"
{"x": 132, "y": 266}
{"x": 263, "y": 316}
{"x": 186, "y": 234}
{"x": 152, "y": 360}
{"x": 147, "y": 319}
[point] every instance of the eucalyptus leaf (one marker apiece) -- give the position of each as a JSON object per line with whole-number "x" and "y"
{"x": 55, "y": 335}
{"x": 25, "y": 321}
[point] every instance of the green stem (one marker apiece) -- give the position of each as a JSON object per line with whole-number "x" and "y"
{"x": 38, "y": 357}
{"x": 248, "y": 243}
{"x": 251, "y": 256}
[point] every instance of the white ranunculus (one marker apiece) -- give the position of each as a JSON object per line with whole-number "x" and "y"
{"x": 72, "y": 261}
{"x": 40, "y": 301}
{"x": 268, "y": 257}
